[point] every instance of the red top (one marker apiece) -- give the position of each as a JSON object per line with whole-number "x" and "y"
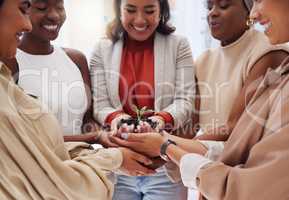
{"x": 136, "y": 83}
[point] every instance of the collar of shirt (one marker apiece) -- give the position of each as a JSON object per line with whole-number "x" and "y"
{"x": 5, "y": 71}
{"x": 273, "y": 76}
{"x": 285, "y": 68}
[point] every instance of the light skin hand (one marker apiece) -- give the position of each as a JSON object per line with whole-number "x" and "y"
{"x": 134, "y": 163}
{"x": 160, "y": 122}
{"x": 117, "y": 119}
{"x": 146, "y": 143}
{"x": 144, "y": 127}
{"x": 125, "y": 128}
{"x": 105, "y": 141}
{"x": 149, "y": 143}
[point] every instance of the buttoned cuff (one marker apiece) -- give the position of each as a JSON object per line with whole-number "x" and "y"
{"x": 168, "y": 119}
{"x": 190, "y": 166}
{"x": 215, "y": 148}
{"x": 112, "y": 116}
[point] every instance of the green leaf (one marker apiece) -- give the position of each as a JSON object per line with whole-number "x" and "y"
{"x": 135, "y": 108}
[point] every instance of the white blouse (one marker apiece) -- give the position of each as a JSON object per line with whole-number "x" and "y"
{"x": 57, "y": 82}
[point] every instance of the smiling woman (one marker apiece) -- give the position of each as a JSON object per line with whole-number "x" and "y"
{"x": 57, "y": 76}
{"x": 127, "y": 69}
{"x": 10, "y": 35}
{"x": 158, "y": 21}
{"x": 271, "y": 19}
{"x": 225, "y": 73}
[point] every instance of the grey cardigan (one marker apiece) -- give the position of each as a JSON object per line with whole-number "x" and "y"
{"x": 174, "y": 78}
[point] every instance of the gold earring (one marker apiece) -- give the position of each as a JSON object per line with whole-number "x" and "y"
{"x": 250, "y": 22}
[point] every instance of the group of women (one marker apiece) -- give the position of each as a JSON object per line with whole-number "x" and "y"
{"x": 143, "y": 85}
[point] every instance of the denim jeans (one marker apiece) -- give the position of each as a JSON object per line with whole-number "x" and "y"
{"x": 156, "y": 187}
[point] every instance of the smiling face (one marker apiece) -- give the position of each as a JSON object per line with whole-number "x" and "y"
{"x": 47, "y": 17}
{"x": 274, "y": 16}
{"x": 14, "y": 20}
{"x": 227, "y": 19}
{"x": 140, "y": 18}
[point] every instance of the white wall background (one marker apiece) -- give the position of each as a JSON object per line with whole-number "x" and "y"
{"x": 189, "y": 17}
{"x": 85, "y": 23}
{"x": 86, "y": 20}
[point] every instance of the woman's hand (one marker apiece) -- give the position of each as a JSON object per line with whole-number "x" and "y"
{"x": 104, "y": 139}
{"x": 143, "y": 127}
{"x": 157, "y": 124}
{"x": 125, "y": 128}
{"x": 146, "y": 143}
{"x": 159, "y": 121}
{"x": 134, "y": 164}
{"x": 117, "y": 120}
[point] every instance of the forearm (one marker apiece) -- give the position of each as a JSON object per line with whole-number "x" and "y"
{"x": 175, "y": 153}
{"x": 90, "y": 138}
{"x": 189, "y": 145}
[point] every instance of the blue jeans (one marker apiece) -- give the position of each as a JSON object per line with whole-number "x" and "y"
{"x": 157, "y": 187}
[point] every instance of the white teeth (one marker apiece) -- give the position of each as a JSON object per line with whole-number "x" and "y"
{"x": 267, "y": 26}
{"x": 140, "y": 28}
{"x": 18, "y": 36}
{"x": 50, "y": 27}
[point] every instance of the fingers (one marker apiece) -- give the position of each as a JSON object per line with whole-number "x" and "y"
{"x": 118, "y": 141}
{"x": 133, "y": 137}
{"x": 142, "y": 159}
{"x": 143, "y": 171}
{"x": 143, "y": 127}
{"x": 105, "y": 140}
{"x": 135, "y": 164}
{"x": 160, "y": 123}
{"x": 122, "y": 142}
{"x": 111, "y": 144}
{"x": 125, "y": 128}
{"x": 115, "y": 122}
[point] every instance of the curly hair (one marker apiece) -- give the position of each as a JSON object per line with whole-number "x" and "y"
{"x": 115, "y": 30}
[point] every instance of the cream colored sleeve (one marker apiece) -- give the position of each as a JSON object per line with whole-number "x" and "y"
{"x": 264, "y": 174}
{"x": 109, "y": 159}
{"x": 215, "y": 149}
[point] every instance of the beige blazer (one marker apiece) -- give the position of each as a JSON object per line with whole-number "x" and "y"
{"x": 174, "y": 82}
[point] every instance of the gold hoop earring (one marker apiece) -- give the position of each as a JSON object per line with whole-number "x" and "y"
{"x": 250, "y": 22}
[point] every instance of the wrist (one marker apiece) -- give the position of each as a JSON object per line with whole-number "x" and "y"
{"x": 164, "y": 147}
{"x": 159, "y": 117}
{"x": 95, "y": 137}
{"x": 167, "y": 118}
{"x": 110, "y": 117}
